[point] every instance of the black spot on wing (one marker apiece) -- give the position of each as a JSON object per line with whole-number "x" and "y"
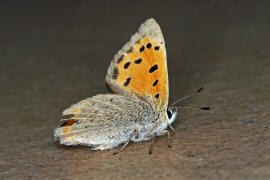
{"x": 120, "y": 59}
{"x": 142, "y": 49}
{"x": 127, "y": 82}
{"x": 115, "y": 73}
{"x": 155, "y": 83}
{"x": 156, "y": 48}
{"x": 126, "y": 65}
{"x": 138, "y": 61}
{"x": 157, "y": 96}
{"x": 149, "y": 45}
{"x": 153, "y": 68}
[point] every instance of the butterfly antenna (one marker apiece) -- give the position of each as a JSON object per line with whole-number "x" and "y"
{"x": 186, "y": 97}
{"x": 188, "y": 107}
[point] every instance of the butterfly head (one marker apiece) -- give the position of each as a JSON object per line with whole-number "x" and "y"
{"x": 171, "y": 114}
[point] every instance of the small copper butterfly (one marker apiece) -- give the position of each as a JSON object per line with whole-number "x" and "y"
{"x": 138, "y": 111}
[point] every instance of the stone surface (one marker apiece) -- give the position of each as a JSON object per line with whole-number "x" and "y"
{"x": 54, "y": 54}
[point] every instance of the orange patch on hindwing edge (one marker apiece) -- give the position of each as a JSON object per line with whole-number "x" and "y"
{"x": 66, "y": 130}
{"x": 68, "y": 123}
{"x": 76, "y": 110}
{"x": 143, "y": 70}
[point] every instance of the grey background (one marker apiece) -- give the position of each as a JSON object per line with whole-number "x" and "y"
{"x": 55, "y": 53}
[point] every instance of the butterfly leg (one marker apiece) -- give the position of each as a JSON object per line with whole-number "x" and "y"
{"x": 153, "y": 138}
{"x": 171, "y": 128}
{"x": 168, "y": 135}
{"x": 126, "y": 143}
{"x": 151, "y": 143}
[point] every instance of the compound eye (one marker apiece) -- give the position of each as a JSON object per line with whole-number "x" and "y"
{"x": 169, "y": 113}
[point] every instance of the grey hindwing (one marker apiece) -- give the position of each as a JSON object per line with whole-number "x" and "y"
{"x": 107, "y": 119}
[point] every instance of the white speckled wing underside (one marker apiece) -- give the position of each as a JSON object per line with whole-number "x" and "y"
{"x": 105, "y": 121}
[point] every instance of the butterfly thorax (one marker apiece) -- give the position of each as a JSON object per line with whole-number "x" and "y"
{"x": 163, "y": 122}
{"x": 149, "y": 127}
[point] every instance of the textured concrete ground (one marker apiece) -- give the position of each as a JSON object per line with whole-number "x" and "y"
{"x": 54, "y": 54}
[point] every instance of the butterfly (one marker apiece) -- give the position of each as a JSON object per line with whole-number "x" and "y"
{"x": 138, "y": 109}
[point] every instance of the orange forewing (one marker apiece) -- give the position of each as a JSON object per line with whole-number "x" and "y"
{"x": 144, "y": 80}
